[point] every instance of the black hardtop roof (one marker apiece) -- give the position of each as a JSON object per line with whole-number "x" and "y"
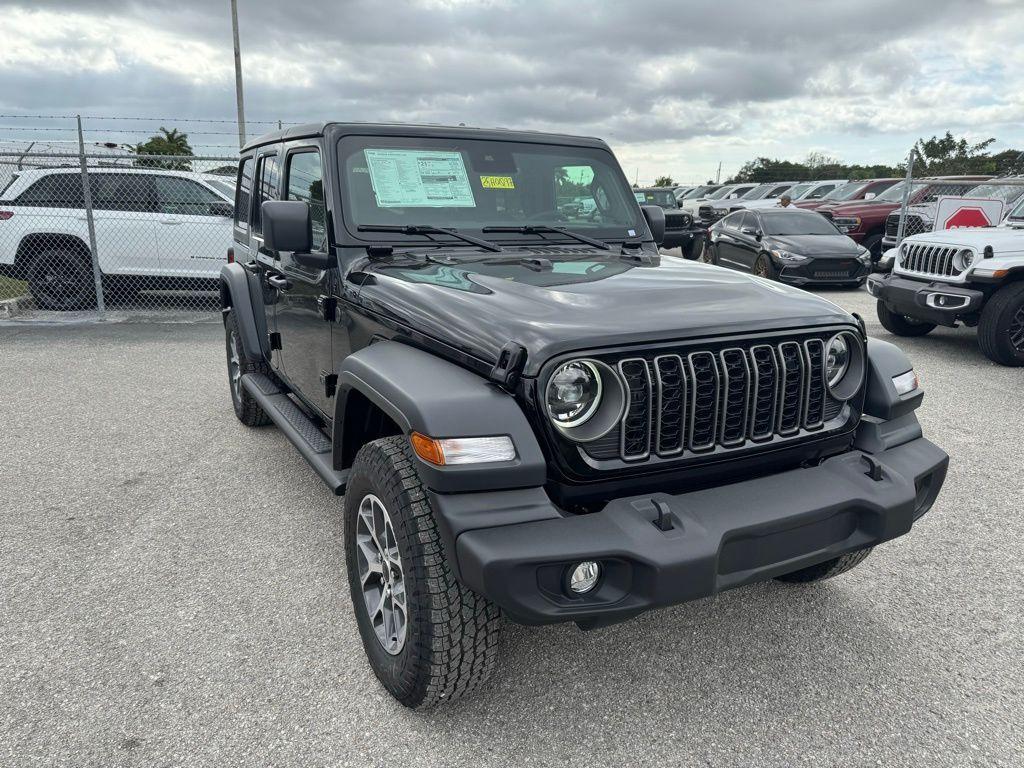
{"x": 308, "y": 130}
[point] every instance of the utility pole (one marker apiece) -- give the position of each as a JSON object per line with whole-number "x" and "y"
{"x": 718, "y": 176}
{"x": 238, "y": 75}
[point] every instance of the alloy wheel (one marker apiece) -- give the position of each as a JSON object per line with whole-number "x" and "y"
{"x": 234, "y": 366}
{"x": 1017, "y": 329}
{"x": 380, "y": 574}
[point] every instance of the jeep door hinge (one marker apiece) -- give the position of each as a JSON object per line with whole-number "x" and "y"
{"x": 330, "y": 382}
{"x": 327, "y": 306}
{"x": 510, "y": 365}
{"x": 275, "y": 340}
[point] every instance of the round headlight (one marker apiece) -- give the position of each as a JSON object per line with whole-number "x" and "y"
{"x": 837, "y": 359}
{"x": 573, "y": 393}
{"x": 963, "y": 259}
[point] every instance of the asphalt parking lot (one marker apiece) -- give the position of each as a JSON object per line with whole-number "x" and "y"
{"x": 172, "y": 592}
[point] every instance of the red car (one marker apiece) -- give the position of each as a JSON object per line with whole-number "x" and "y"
{"x": 864, "y": 220}
{"x": 860, "y": 189}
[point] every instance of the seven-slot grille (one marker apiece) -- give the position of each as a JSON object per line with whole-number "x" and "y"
{"x": 700, "y": 401}
{"x": 929, "y": 259}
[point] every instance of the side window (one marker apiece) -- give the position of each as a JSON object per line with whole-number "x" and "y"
{"x": 821, "y": 191}
{"x": 779, "y": 190}
{"x": 59, "y": 190}
{"x": 244, "y": 193}
{"x": 306, "y": 183}
{"x": 267, "y": 182}
{"x": 123, "y": 192}
{"x": 184, "y": 196}
{"x": 732, "y": 221}
{"x": 748, "y": 220}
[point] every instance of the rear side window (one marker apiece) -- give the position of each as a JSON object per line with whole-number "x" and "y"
{"x": 266, "y": 189}
{"x": 59, "y": 190}
{"x": 244, "y": 193}
{"x": 123, "y": 192}
{"x": 732, "y": 221}
{"x": 306, "y": 183}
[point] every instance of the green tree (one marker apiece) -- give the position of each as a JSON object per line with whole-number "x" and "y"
{"x": 172, "y": 143}
{"x": 948, "y": 155}
{"x": 664, "y": 181}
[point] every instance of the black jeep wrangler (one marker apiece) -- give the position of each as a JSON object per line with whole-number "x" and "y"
{"x": 530, "y": 413}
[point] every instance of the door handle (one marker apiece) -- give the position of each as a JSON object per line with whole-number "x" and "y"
{"x": 170, "y": 221}
{"x": 279, "y": 282}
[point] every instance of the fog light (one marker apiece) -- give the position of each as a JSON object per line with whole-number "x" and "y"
{"x": 584, "y": 577}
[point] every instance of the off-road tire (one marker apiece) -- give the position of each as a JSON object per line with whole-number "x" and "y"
{"x": 451, "y": 642}
{"x": 1001, "y": 329}
{"x": 246, "y": 408}
{"x": 61, "y": 280}
{"x": 901, "y": 325}
{"x": 827, "y": 569}
{"x": 763, "y": 267}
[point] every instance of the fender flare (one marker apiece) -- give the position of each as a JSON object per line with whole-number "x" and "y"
{"x": 236, "y": 295}
{"x": 424, "y": 393}
{"x": 881, "y": 399}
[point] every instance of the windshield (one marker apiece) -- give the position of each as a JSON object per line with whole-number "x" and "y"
{"x": 469, "y": 184}
{"x": 894, "y": 194}
{"x": 1008, "y": 193}
{"x": 226, "y": 188}
{"x": 797, "y": 223}
{"x": 693, "y": 194}
{"x": 1017, "y": 214}
{"x": 759, "y": 191}
{"x": 659, "y": 197}
{"x": 795, "y": 193}
{"x": 718, "y": 194}
{"x": 846, "y": 191}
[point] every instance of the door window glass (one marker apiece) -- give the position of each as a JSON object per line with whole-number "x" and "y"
{"x": 60, "y": 190}
{"x": 184, "y": 196}
{"x": 306, "y": 183}
{"x": 819, "y": 192}
{"x": 123, "y": 192}
{"x": 244, "y": 193}
{"x": 266, "y": 189}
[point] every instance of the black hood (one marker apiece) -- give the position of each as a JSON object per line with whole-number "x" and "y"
{"x": 814, "y": 245}
{"x": 582, "y": 301}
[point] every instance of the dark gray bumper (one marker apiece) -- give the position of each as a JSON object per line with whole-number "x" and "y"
{"x": 722, "y": 537}
{"x": 921, "y": 300}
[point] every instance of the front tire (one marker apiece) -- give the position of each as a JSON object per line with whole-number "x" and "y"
{"x": 763, "y": 267}
{"x": 827, "y": 569}
{"x": 428, "y": 638}
{"x": 902, "y": 325}
{"x": 1001, "y": 329}
{"x": 246, "y": 408}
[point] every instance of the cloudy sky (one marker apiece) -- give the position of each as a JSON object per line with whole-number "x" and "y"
{"x": 674, "y": 86}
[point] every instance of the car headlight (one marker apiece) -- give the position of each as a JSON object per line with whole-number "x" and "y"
{"x": 844, "y": 365}
{"x": 789, "y": 258}
{"x": 846, "y": 223}
{"x": 963, "y": 259}
{"x": 864, "y": 255}
{"x": 573, "y": 393}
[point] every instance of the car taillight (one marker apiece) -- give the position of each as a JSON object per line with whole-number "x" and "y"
{"x": 5, "y": 215}
{"x": 231, "y": 255}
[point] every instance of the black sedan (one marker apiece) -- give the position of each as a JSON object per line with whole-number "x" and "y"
{"x": 791, "y": 246}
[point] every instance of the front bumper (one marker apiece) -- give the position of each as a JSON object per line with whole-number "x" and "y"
{"x": 923, "y": 300}
{"x": 722, "y": 537}
{"x": 822, "y": 271}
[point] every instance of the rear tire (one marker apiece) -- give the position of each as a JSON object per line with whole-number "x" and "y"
{"x": 246, "y": 408}
{"x": 827, "y": 569}
{"x": 902, "y": 325}
{"x": 1001, "y": 329}
{"x": 441, "y": 641}
{"x": 61, "y": 280}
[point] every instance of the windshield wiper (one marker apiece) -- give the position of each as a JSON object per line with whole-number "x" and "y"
{"x": 427, "y": 229}
{"x": 537, "y": 229}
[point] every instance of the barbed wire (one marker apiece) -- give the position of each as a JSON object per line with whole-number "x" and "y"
{"x": 150, "y": 119}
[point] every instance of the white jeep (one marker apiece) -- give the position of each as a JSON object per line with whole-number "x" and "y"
{"x": 971, "y": 276}
{"x": 154, "y": 229}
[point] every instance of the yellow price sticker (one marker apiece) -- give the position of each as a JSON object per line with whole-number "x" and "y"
{"x": 497, "y": 182}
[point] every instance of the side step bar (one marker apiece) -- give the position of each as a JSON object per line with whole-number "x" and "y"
{"x": 305, "y": 435}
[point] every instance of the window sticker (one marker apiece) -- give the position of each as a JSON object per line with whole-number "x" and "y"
{"x": 497, "y": 182}
{"x": 640, "y": 197}
{"x": 419, "y": 178}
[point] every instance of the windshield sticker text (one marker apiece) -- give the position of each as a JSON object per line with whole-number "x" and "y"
{"x": 419, "y": 178}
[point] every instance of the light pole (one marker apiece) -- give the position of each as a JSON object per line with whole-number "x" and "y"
{"x": 238, "y": 75}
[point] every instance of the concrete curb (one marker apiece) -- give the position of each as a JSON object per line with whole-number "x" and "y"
{"x": 17, "y": 306}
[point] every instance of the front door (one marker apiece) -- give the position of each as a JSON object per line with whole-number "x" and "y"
{"x": 193, "y": 228}
{"x": 304, "y": 310}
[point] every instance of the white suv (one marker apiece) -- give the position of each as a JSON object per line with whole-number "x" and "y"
{"x": 154, "y": 229}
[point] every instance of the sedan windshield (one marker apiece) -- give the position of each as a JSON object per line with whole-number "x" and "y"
{"x": 796, "y": 223}
{"x": 396, "y": 182}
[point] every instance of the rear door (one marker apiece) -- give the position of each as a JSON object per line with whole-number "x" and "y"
{"x": 304, "y": 310}
{"x": 124, "y": 214}
{"x": 193, "y": 229}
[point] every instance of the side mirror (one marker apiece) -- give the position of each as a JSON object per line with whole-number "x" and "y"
{"x": 655, "y": 221}
{"x": 749, "y": 231}
{"x": 222, "y": 209}
{"x": 287, "y": 226}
